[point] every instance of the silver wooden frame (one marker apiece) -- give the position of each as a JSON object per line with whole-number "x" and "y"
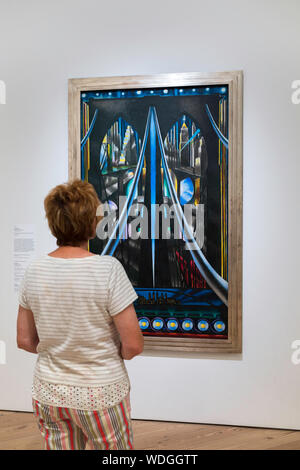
{"x": 234, "y": 80}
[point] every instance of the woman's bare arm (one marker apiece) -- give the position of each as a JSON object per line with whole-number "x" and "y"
{"x": 27, "y": 337}
{"x": 132, "y": 340}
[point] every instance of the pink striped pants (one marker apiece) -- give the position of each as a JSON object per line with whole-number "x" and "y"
{"x": 70, "y": 429}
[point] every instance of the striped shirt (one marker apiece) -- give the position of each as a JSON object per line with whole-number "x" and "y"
{"x": 73, "y": 301}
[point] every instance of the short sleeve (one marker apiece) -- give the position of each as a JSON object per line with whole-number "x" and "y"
{"x": 23, "y": 301}
{"x": 120, "y": 290}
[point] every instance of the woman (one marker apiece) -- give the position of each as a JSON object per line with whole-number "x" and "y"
{"x": 76, "y": 312}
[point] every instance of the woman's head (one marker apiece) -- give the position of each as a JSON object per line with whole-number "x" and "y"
{"x": 71, "y": 212}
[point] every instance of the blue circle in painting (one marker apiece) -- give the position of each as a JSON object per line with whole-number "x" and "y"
{"x": 172, "y": 324}
{"x": 203, "y": 325}
{"x": 186, "y": 191}
{"x": 219, "y": 326}
{"x": 157, "y": 323}
{"x": 144, "y": 323}
{"x": 187, "y": 324}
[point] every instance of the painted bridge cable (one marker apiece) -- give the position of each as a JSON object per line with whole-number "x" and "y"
{"x": 215, "y": 127}
{"x": 215, "y": 281}
{"x": 85, "y": 138}
{"x": 114, "y": 239}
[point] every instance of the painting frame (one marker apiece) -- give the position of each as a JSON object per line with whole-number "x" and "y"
{"x": 234, "y": 81}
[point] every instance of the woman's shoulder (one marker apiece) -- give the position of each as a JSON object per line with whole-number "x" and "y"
{"x": 101, "y": 262}
{"x": 109, "y": 261}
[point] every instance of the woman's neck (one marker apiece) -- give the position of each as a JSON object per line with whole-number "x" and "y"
{"x": 80, "y": 251}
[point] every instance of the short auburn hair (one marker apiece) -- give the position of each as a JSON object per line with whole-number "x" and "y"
{"x": 71, "y": 212}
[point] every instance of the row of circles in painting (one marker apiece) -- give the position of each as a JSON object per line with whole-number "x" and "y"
{"x": 187, "y": 324}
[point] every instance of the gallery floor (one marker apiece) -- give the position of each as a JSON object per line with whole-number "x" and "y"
{"x": 19, "y": 431}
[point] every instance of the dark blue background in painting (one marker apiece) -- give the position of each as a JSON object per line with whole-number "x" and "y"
{"x": 133, "y": 106}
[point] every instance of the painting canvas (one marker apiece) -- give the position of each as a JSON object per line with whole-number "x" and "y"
{"x": 160, "y": 159}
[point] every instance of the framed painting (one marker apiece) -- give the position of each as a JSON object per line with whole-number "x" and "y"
{"x": 164, "y": 153}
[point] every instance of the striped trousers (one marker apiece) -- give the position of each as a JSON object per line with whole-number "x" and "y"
{"x": 71, "y": 429}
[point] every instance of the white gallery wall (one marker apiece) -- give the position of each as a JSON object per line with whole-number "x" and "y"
{"x": 42, "y": 44}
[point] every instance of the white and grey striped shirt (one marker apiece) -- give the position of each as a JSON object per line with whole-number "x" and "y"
{"x": 73, "y": 301}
